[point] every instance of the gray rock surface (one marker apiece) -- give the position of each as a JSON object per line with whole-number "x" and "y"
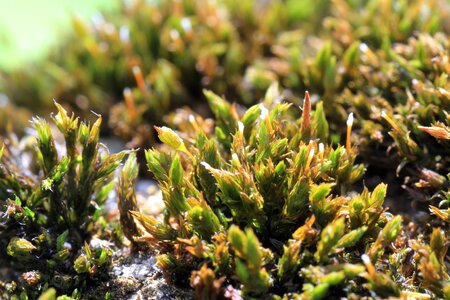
{"x": 136, "y": 277}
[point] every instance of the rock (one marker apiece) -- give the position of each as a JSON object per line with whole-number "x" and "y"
{"x": 136, "y": 276}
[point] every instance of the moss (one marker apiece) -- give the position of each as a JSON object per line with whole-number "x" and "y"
{"x": 264, "y": 207}
{"x": 52, "y": 196}
{"x": 269, "y": 201}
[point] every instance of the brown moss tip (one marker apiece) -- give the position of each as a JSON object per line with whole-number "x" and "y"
{"x": 306, "y": 121}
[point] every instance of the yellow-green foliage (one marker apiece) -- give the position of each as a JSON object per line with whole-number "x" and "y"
{"x": 264, "y": 201}
{"x": 266, "y": 204}
{"x": 51, "y": 199}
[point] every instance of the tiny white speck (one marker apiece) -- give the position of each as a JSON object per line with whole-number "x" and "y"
{"x": 363, "y": 47}
{"x": 186, "y": 24}
{"x": 264, "y": 112}
{"x": 365, "y": 258}
{"x": 350, "y": 120}
{"x": 241, "y": 126}
{"x": 206, "y": 165}
{"x": 136, "y": 69}
{"x": 124, "y": 34}
{"x": 127, "y": 92}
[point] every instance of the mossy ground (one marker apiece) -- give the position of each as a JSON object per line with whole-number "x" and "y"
{"x": 270, "y": 192}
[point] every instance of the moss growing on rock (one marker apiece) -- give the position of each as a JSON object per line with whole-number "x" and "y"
{"x": 51, "y": 201}
{"x": 265, "y": 208}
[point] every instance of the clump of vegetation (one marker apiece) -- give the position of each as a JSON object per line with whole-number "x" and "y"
{"x": 402, "y": 93}
{"x": 266, "y": 206}
{"x": 263, "y": 202}
{"x": 51, "y": 201}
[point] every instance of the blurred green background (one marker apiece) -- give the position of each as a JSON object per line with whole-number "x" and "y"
{"x": 28, "y": 28}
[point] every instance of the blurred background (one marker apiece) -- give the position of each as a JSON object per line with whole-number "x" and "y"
{"x": 29, "y": 28}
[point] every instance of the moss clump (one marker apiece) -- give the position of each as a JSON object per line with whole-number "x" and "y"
{"x": 51, "y": 201}
{"x": 265, "y": 207}
{"x": 259, "y": 202}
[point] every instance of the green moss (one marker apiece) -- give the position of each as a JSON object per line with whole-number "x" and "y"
{"x": 51, "y": 200}
{"x": 258, "y": 201}
{"x": 289, "y": 190}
